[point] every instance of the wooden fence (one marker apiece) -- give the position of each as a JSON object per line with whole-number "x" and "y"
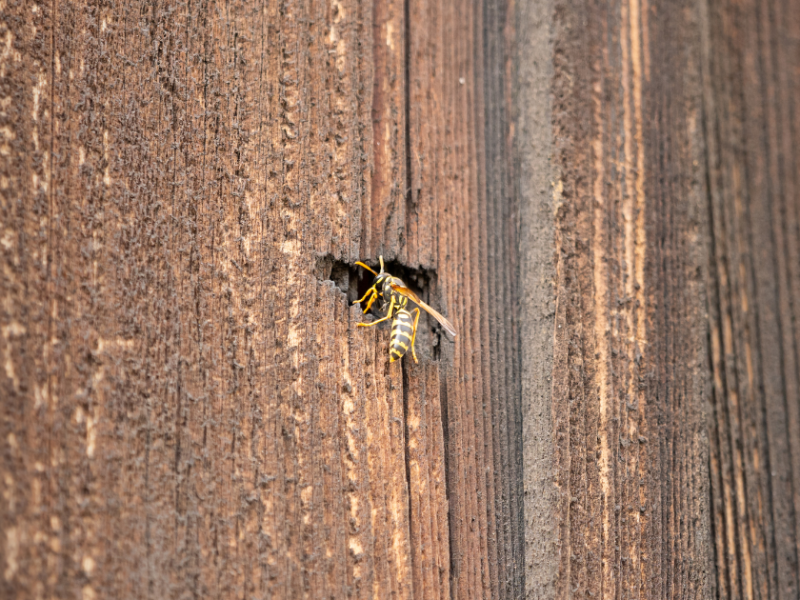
{"x": 601, "y": 196}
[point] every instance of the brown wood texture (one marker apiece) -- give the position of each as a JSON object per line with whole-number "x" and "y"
{"x": 601, "y": 196}
{"x": 752, "y": 61}
{"x": 617, "y": 495}
{"x": 188, "y": 408}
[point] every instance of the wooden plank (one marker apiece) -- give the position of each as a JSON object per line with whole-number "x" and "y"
{"x": 622, "y": 428}
{"x": 191, "y": 410}
{"x": 475, "y": 261}
{"x": 192, "y": 162}
{"x": 754, "y": 214}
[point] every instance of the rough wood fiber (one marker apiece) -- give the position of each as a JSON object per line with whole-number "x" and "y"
{"x": 751, "y": 60}
{"x": 628, "y": 441}
{"x": 188, "y": 407}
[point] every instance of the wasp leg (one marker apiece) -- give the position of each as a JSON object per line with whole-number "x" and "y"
{"x": 371, "y": 290}
{"x": 382, "y": 319}
{"x": 371, "y": 300}
{"x": 414, "y": 335}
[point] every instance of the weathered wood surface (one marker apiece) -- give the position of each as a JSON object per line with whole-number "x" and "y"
{"x": 188, "y": 407}
{"x": 752, "y": 128}
{"x": 616, "y": 473}
{"x": 602, "y": 197}
{"x": 666, "y": 413}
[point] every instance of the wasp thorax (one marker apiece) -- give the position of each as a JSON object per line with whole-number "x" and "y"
{"x": 386, "y": 287}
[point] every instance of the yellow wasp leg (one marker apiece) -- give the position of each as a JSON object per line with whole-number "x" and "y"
{"x": 414, "y": 335}
{"x": 374, "y": 297}
{"x": 387, "y": 317}
{"x": 371, "y": 300}
{"x": 371, "y": 290}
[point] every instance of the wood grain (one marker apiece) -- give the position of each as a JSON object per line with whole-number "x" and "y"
{"x": 601, "y": 197}
{"x": 620, "y": 438}
{"x": 755, "y": 459}
{"x": 188, "y": 407}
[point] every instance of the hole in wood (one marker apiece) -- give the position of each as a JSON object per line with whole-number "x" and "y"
{"x": 353, "y": 281}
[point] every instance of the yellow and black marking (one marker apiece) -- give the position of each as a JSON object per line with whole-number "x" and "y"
{"x": 404, "y": 331}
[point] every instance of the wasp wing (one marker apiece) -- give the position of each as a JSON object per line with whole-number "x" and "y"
{"x": 448, "y": 326}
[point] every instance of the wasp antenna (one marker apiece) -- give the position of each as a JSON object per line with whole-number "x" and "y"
{"x": 360, "y": 264}
{"x": 381, "y": 259}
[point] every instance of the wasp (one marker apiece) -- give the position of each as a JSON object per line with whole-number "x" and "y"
{"x": 395, "y": 296}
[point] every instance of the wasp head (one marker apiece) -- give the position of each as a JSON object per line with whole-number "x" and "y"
{"x": 379, "y": 283}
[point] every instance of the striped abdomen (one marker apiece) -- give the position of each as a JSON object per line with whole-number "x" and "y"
{"x": 402, "y": 334}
